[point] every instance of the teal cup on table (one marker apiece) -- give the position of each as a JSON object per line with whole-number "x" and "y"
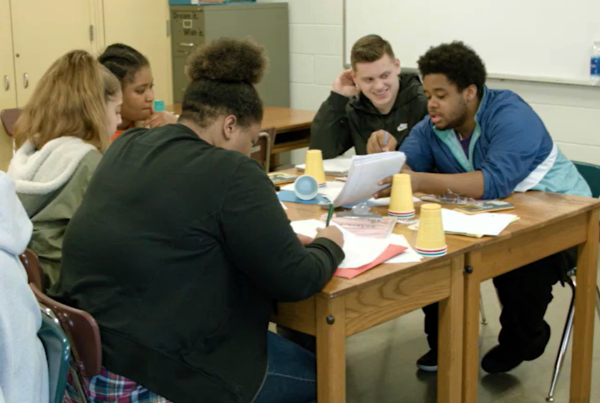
{"x": 306, "y": 187}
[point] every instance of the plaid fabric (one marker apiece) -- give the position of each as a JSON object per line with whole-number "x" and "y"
{"x": 110, "y": 387}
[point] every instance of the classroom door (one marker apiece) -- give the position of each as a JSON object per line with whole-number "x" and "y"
{"x": 42, "y": 32}
{"x": 8, "y": 94}
{"x": 142, "y": 24}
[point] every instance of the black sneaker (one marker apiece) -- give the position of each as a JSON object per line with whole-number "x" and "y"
{"x": 428, "y": 362}
{"x": 501, "y": 359}
{"x": 537, "y": 348}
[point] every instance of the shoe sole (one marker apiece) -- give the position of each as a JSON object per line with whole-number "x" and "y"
{"x": 427, "y": 368}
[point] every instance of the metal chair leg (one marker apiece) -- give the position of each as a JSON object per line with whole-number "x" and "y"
{"x": 564, "y": 343}
{"x": 482, "y": 311}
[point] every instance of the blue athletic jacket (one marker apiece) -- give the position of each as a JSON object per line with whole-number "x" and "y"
{"x": 510, "y": 145}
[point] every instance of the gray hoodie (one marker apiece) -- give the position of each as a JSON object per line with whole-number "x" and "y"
{"x": 23, "y": 365}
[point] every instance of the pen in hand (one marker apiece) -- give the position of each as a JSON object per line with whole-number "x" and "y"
{"x": 329, "y": 215}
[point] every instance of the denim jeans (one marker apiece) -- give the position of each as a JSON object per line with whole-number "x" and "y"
{"x": 291, "y": 373}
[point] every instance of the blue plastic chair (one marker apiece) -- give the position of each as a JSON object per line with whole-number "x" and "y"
{"x": 58, "y": 354}
{"x": 591, "y": 174}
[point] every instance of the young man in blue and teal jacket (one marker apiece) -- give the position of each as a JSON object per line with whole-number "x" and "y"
{"x": 494, "y": 144}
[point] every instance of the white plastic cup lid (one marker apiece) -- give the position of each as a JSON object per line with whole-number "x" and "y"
{"x": 306, "y": 187}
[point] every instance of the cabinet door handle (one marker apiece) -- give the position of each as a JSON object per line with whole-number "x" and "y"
{"x": 26, "y": 80}
{"x": 188, "y": 44}
{"x": 6, "y": 83}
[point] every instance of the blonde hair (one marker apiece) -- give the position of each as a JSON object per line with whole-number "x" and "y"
{"x": 369, "y": 49}
{"x": 67, "y": 101}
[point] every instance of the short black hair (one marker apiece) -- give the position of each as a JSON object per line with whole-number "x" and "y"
{"x": 458, "y": 62}
{"x": 123, "y": 61}
{"x": 223, "y": 75}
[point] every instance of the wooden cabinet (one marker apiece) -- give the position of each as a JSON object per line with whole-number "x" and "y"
{"x": 8, "y": 94}
{"x": 42, "y": 32}
{"x": 142, "y": 24}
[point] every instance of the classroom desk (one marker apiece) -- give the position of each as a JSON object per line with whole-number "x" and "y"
{"x": 292, "y": 125}
{"x": 349, "y": 306}
{"x": 549, "y": 224}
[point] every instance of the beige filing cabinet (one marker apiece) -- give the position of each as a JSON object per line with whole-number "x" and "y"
{"x": 8, "y": 92}
{"x": 266, "y": 23}
{"x": 144, "y": 25}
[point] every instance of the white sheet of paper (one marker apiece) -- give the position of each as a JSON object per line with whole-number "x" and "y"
{"x": 491, "y": 224}
{"x": 359, "y": 251}
{"x": 336, "y": 166}
{"x": 366, "y": 171}
{"x": 408, "y": 256}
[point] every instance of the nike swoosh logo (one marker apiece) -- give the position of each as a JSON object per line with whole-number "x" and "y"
{"x": 403, "y": 126}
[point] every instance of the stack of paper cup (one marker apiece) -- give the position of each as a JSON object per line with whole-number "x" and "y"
{"x": 401, "y": 200}
{"x": 431, "y": 241}
{"x": 314, "y": 166}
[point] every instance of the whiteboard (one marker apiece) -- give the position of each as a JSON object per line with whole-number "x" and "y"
{"x": 537, "y": 40}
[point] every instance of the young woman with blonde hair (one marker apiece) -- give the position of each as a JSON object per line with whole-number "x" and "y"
{"x": 59, "y": 139}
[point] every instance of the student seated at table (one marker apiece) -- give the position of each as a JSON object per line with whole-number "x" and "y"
{"x": 368, "y": 101}
{"x": 181, "y": 248}
{"x": 60, "y": 137}
{"x": 23, "y": 365}
{"x": 134, "y": 72}
{"x": 486, "y": 144}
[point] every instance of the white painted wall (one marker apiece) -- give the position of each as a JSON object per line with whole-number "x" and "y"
{"x": 571, "y": 113}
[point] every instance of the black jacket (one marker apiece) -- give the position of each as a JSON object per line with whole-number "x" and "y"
{"x": 178, "y": 251}
{"x": 343, "y": 123}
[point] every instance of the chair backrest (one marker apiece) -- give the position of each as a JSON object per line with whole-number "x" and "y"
{"x": 262, "y": 151}
{"x": 9, "y": 117}
{"x": 591, "y": 174}
{"x": 31, "y": 263}
{"x": 58, "y": 354}
{"x": 81, "y": 330}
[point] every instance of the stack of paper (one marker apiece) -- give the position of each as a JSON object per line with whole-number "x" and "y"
{"x": 361, "y": 253}
{"x": 366, "y": 171}
{"x": 491, "y": 224}
{"x": 408, "y": 256}
{"x": 338, "y": 166}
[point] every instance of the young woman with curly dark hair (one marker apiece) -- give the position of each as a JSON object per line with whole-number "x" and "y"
{"x": 181, "y": 248}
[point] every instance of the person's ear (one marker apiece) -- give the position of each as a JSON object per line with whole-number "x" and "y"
{"x": 397, "y": 64}
{"x": 471, "y": 92}
{"x": 229, "y": 125}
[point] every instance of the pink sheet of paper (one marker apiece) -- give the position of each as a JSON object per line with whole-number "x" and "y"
{"x": 391, "y": 251}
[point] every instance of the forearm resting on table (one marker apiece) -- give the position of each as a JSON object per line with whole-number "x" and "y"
{"x": 469, "y": 184}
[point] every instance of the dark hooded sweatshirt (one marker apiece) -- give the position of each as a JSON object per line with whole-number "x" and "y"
{"x": 343, "y": 123}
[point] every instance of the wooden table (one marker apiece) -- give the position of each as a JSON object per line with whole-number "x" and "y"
{"x": 292, "y": 126}
{"x": 549, "y": 223}
{"x": 346, "y": 307}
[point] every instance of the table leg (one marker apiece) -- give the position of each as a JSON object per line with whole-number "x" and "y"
{"x": 331, "y": 350}
{"x": 583, "y": 332}
{"x": 471, "y": 329}
{"x": 450, "y": 338}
